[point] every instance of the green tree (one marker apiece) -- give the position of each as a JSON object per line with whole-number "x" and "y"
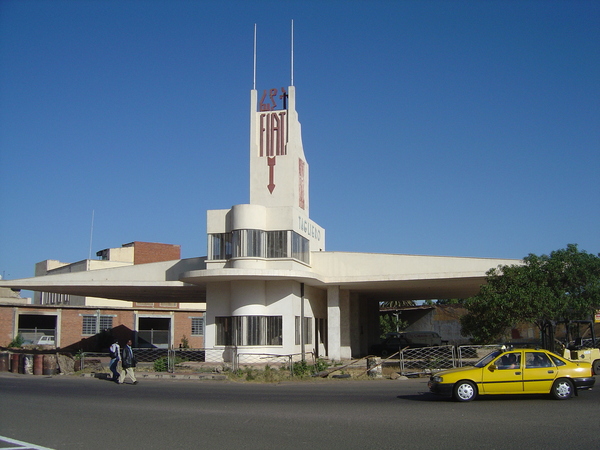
{"x": 562, "y": 285}
{"x": 390, "y": 323}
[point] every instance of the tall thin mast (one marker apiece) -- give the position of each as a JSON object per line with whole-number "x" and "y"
{"x": 91, "y": 235}
{"x": 254, "y": 81}
{"x": 292, "y": 62}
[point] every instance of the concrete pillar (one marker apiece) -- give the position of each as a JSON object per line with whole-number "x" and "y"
{"x": 338, "y": 323}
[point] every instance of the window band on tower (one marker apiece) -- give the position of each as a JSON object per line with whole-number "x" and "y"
{"x": 252, "y": 243}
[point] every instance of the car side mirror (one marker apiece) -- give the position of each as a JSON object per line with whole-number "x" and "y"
{"x": 492, "y": 367}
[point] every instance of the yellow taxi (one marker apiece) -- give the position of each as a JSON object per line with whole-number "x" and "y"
{"x": 518, "y": 371}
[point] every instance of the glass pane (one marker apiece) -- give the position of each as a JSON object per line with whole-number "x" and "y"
{"x": 106, "y": 322}
{"x": 274, "y": 330}
{"x": 236, "y": 243}
{"x": 197, "y": 326}
{"x": 254, "y": 243}
{"x": 300, "y": 247}
{"x": 216, "y": 246}
{"x": 89, "y": 325}
{"x": 224, "y": 330}
{"x": 277, "y": 244}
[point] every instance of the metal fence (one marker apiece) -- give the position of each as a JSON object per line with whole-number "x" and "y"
{"x": 417, "y": 360}
{"x": 273, "y": 360}
{"x": 170, "y": 360}
{"x": 414, "y": 361}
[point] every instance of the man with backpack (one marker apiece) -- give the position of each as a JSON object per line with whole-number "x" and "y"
{"x": 115, "y": 357}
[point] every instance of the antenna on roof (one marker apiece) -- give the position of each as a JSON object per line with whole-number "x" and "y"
{"x": 91, "y": 235}
{"x": 292, "y": 62}
{"x": 254, "y": 82}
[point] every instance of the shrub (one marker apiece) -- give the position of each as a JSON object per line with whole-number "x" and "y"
{"x": 302, "y": 369}
{"x": 321, "y": 365}
{"x": 161, "y": 364}
{"x": 184, "y": 342}
{"x": 17, "y": 341}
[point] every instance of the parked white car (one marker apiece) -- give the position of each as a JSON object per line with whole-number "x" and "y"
{"x": 46, "y": 340}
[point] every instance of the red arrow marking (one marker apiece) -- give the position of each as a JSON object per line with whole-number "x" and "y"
{"x": 271, "y": 164}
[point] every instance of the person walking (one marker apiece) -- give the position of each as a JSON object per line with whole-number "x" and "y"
{"x": 128, "y": 362}
{"x": 115, "y": 357}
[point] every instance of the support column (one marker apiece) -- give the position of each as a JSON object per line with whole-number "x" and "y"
{"x": 338, "y": 323}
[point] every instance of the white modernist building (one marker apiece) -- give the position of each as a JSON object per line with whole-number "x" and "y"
{"x": 268, "y": 283}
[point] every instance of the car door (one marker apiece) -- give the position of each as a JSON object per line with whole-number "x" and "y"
{"x": 504, "y": 375}
{"x": 539, "y": 372}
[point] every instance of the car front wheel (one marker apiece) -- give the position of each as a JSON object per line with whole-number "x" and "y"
{"x": 562, "y": 389}
{"x": 464, "y": 391}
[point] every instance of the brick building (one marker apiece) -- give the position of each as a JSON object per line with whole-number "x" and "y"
{"x": 88, "y": 322}
{"x": 92, "y": 328}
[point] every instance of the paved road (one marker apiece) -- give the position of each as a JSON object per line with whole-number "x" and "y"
{"x": 65, "y": 412}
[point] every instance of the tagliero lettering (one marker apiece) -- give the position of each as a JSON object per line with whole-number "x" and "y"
{"x": 309, "y": 228}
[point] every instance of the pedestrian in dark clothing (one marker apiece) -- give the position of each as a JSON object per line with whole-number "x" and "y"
{"x": 128, "y": 362}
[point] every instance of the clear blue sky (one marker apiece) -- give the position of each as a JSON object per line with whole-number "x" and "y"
{"x": 460, "y": 128}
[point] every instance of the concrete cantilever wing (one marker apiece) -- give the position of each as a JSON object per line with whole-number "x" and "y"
{"x": 370, "y": 275}
{"x": 153, "y": 282}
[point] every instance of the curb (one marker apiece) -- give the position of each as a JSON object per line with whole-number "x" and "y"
{"x": 164, "y": 376}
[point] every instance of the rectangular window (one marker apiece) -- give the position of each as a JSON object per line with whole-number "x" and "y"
{"x": 50, "y": 298}
{"x": 105, "y": 322}
{"x": 257, "y": 244}
{"x": 274, "y": 333}
{"x": 224, "y": 330}
{"x": 300, "y": 248}
{"x": 197, "y": 326}
{"x": 249, "y": 330}
{"x": 253, "y": 330}
{"x": 215, "y": 246}
{"x": 95, "y": 324}
{"x": 236, "y": 243}
{"x": 307, "y": 330}
{"x": 89, "y": 325}
{"x": 220, "y": 245}
{"x": 277, "y": 244}
{"x": 248, "y": 243}
{"x": 254, "y": 243}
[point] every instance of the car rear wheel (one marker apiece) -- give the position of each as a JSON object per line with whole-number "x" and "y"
{"x": 562, "y": 389}
{"x": 464, "y": 391}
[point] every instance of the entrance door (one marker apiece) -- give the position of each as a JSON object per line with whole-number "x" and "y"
{"x": 154, "y": 332}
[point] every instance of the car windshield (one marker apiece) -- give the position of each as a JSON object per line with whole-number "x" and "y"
{"x": 487, "y": 358}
